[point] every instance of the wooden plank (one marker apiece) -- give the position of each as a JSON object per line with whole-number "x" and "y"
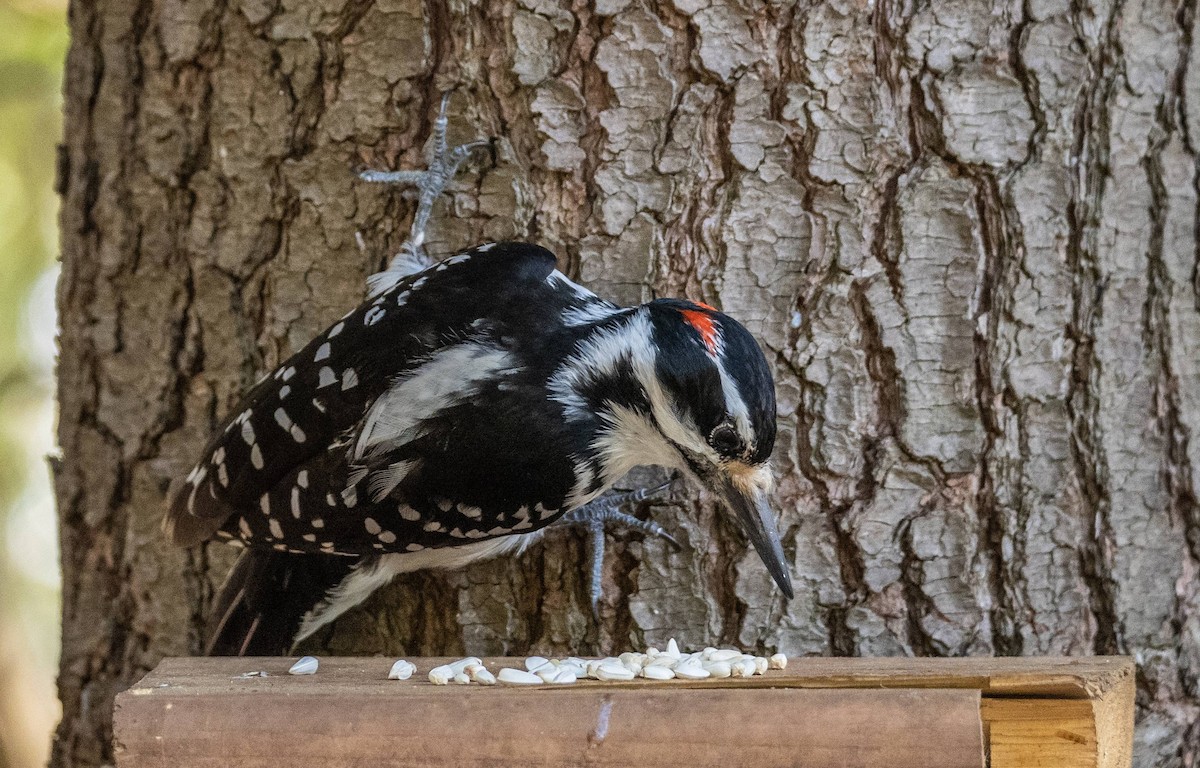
{"x": 424, "y": 725}
{"x": 1091, "y": 677}
{"x": 1114, "y": 712}
{"x": 1069, "y": 712}
{"x": 1040, "y": 733}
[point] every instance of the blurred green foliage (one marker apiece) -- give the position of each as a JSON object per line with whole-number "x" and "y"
{"x": 33, "y": 42}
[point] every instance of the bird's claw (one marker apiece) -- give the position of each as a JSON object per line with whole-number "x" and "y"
{"x": 443, "y": 164}
{"x": 607, "y": 509}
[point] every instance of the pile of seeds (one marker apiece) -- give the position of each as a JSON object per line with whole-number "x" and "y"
{"x": 653, "y": 664}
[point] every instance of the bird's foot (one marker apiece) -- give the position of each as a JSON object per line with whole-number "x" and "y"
{"x": 444, "y": 164}
{"x": 594, "y": 515}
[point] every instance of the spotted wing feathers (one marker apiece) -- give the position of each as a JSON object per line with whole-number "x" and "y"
{"x": 297, "y": 419}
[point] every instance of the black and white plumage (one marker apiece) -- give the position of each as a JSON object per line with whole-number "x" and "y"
{"x": 454, "y": 415}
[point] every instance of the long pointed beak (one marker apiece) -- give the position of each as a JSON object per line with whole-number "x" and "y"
{"x": 758, "y": 520}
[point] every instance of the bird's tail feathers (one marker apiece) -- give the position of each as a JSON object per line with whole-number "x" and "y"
{"x": 260, "y": 607}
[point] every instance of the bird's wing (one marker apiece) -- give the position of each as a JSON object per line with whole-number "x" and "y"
{"x": 317, "y": 407}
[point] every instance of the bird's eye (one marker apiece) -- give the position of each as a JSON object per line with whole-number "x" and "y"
{"x": 726, "y": 440}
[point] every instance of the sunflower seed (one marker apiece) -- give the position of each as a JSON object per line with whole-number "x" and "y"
{"x": 402, "y": 670}
{"x": 462, "y": 664}
{"x": 307, "y": 665}
{"x": 580, "y": 669}
{"x": 441, "y": 675}
{"x": 778, "y": 661}
{"x": 743, "y": 668}
{"x": 658, "y": 672}
{"x": 480, "y": 674}
{"x": 611, "y": 671}
{"x": 510, "y": 676}
{"x": 691, "y": 672}
{"x": 633, "y": 661}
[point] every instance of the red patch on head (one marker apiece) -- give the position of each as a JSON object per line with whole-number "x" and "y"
{"x": 704, "y": 325}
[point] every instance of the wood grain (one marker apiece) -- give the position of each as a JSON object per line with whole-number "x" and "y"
{"x": 1026, "y": 712}
{"x": 301, "y": 722}
{"x": 1072, "y": 678}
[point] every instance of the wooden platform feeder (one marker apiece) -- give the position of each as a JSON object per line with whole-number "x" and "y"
{"x": 932, "y": 713}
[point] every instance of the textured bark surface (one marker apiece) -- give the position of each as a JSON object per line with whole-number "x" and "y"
{"x": 966, "y": 234}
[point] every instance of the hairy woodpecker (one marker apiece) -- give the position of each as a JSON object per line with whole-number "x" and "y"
{"x": 453, "y": 416}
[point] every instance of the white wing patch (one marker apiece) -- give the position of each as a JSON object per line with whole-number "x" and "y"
{"x": 361, "y": 582}
{"x": 385, "y": 480}
{"x": 451, "y": 376}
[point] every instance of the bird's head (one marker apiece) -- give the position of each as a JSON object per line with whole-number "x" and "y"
{"x": 717, "y": 410}
{"x": 688, "y": 387}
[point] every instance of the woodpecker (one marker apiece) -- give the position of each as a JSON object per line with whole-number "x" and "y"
{"x": 456, "y": 414}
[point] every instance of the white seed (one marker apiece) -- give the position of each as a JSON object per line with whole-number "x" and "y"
{"x": 461, "y": 678}
{"x": 533, "y": 662}
{"x": 441, "y": 675}
{"x": 510, "y": 676}
{"x": 691, "y": 672}
{"x": 718, "y": 668}
{"x": 633, "y": 661}
{"x": 778, "y": 661}
{"x": 462, "y": 664}
{"x": 591, "y": 667}
{"x": 578, "y": 666}
{"x": 610, "y": 671}
{"x": 760, "y": 664}
{"x": 664, "y": 661}
{"x": 743, "y": 668}
{"x": 402, "y": 670}
{"x": 480, "y": 674}
{"x": 564, "y": 676}
{"x": 708, "y": 652}
{"x": 549, "y": 667}
{"x": 652, "y": 652}
{"x": 658, "y": 672}
{"x": 307, "y": 665}
{"x": 723, "y": 655}
{"x": 673, "y": 648}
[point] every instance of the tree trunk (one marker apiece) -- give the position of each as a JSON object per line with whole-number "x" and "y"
{"x": 965, "y": 233}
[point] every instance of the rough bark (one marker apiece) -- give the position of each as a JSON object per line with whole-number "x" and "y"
{"x": 966, "y": 234}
